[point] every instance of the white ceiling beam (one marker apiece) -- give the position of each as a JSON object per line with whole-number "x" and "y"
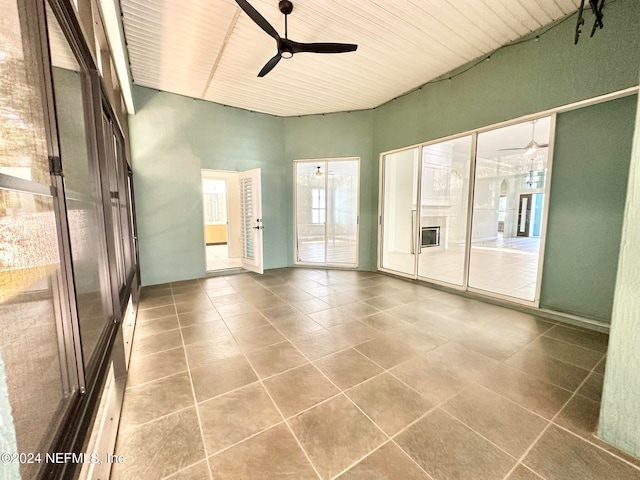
{"x": 230, "y": 30}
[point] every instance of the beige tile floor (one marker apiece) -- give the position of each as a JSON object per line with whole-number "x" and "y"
{"x": 503, "y": 266}
{"x": 304, "y": 373}
{"x": 218, "y": 258}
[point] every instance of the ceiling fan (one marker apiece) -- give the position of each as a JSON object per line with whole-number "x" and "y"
{"x": 531, "y": 147}
{"x": 286, "y": 47}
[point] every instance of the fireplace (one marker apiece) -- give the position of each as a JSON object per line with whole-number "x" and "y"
{"x": 430, "y": 237}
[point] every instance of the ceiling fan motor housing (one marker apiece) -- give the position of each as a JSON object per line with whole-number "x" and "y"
{"x": 285, "y": 49}
{"x": 285, "y": 6}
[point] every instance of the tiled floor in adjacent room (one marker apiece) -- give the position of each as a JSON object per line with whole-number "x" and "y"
{"x": 305, "y": 373}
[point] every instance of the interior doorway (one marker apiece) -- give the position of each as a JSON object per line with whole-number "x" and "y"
{"x": 221, "y": 208}
{"x": 524, "y": 215}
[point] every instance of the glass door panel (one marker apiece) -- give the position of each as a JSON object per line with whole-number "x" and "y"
{"x": 311, "y": 211}
{"x": 444, "y": 201}
{"x": 114, "y": 172}
{"x": 342, "y": 212}
{"x": 509, "y": 196}
{"x": 82, "y": 195}
{"x": 399, "y": 211}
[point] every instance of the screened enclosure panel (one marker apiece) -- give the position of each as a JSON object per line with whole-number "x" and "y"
{"x": 29, "y": 318}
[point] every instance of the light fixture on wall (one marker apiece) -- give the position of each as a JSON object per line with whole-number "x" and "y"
{"x": 318, "y": 173}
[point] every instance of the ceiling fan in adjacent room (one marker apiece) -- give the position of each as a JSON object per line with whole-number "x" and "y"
{"x": 531, "y": 147}
{"x": 286, "y": 47}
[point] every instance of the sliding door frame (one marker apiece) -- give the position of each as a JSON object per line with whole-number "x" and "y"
{"x": 381, "y": 219}
{"x": 470, "y": 211}
{"x": 545, "y": 215}
{"x": 296, "y": 252}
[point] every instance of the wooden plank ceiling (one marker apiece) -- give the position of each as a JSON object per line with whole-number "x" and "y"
{"x": 210, "y": 49}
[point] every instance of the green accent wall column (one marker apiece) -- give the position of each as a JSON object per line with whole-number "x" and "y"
{"x": 586, "y": 205}
{"x": 620, "y": 410}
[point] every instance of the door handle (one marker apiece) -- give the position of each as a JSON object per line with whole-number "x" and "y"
{"x": 413, "y": 232}
{"x": 259, "y": 227}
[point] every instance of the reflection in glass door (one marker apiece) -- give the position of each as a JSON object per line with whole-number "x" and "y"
{"x": 327, "y": 211}
{"x": 512, "y": 167}
{"x": 399, "y": 211}
{"x": 425, "y": 223}
{"x": 444, "y": 201}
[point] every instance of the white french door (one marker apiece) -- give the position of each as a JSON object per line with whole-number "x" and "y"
{"x": 251, "y": 220}
{"x": 326, "y": 211}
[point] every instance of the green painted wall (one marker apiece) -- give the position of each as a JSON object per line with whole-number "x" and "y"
{"x": 620, "y": 410}
{"x": 172, "y": 138}
{"x": 588, "y": 187}
{"x": 332, "y": 136}
{"x": 519, "y": 80}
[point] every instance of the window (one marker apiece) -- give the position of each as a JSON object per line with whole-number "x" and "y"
{"x": 318, "y": 211}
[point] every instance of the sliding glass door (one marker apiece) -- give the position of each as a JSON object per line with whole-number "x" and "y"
{"x": 429, "y": 231}
{"x": 512, "y": 167}
{"x": 444, "y": 199}
{"x": 399, "y": 211}
{"x": 326, "y": 211}
{"x": 82, "y": 195}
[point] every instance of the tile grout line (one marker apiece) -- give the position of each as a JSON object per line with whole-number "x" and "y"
{"x": 274, "y": 324}
{"x": 351, "y": 347}
{"x": 477, "y": 432}
{"x": 172, "y": 475}
{"x": 387, "y": 370}
{"x": 326, "y": 400}
{"x": 195, "y": 399}
{"x": 592, "y": 371}
{"x": 440, "y": 405}
{"x": 341, "y": 392}
{"x": 281, "y": 415}
{"x": 552, "y": 422}
{"x": 579, "y": 437}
